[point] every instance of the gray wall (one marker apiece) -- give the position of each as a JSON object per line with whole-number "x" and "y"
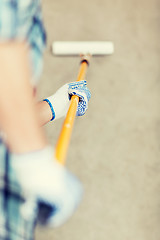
{"x": 115, "y": 147}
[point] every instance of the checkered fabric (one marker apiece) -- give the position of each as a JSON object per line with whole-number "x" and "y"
{"x": 19, "y": 20}
{"x": 12, "y": 224}
{"x": 22, "y": 20}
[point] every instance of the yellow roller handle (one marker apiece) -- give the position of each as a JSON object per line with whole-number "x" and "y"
{"x": 65, "y": 134}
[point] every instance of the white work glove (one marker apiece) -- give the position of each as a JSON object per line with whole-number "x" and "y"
{"x": 47, "y": 182}
{"x": 60, "y": 101}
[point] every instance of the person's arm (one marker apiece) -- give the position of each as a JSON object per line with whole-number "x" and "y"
{"x": 44, "y": 112}
{"x": 18, "y": 112}
{"x": 40, "y": 176}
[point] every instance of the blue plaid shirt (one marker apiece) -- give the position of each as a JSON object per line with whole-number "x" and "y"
{"x": 19, "y": 20}
{"x": 12, "y": 224}
{"x": 22, "y": 20}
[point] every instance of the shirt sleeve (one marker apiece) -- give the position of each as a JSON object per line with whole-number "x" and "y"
{"x": 9, "y": 19}
{"x": 22, "y": 20}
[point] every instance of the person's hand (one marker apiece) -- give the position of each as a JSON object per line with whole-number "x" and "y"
{"x": 59, "y": 102}
{"x": 47, "y": 182}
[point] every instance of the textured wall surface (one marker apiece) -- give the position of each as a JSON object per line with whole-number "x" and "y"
{"x": 115, "y": 147}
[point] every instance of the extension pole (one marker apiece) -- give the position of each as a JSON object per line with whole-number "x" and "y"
{"x": 65, "y": 134}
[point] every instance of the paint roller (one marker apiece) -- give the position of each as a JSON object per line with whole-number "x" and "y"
{"x": 84, "y": 50}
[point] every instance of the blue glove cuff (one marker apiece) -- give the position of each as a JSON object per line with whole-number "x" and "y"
{"x": 51, "y": 107}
